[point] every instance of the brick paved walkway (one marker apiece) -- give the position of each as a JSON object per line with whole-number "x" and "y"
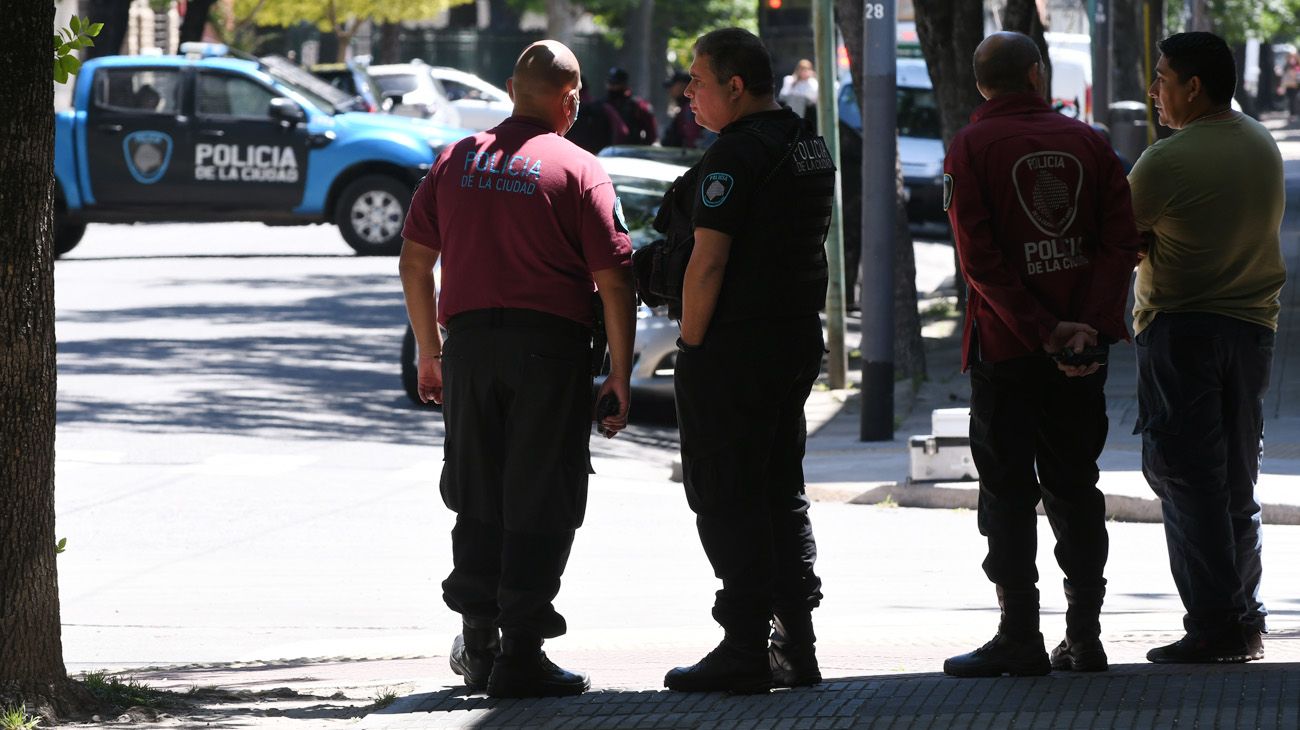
{"x": 1129, "y": 696}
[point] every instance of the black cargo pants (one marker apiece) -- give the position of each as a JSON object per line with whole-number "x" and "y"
{"x": 1035, "y": 436}
{"x": 518, "y": 404}
{"x": 740, "y": 400}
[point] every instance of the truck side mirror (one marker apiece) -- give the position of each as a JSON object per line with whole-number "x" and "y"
{"x": 286, "y": 111}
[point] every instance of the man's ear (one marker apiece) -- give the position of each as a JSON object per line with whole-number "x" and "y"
{"x": 1194, "y": 88}
{"x": 510, "y": 88}
{"x": 737, "y": 86}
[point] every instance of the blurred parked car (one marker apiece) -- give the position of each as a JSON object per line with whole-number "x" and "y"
{"x": 920, "y": 142}
{"x": 353, "y": 79}
{"x": 480, "y": 104}
{"x": 415, "y": 93}
{"x": 641, "y": 185}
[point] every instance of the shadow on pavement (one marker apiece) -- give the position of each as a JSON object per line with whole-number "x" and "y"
{"x": 1129, "y": 696}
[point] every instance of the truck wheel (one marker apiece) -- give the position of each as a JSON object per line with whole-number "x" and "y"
{"x": 67, "y": 234}
{"x": 410, "y": 371}
{"x": 370, "y": 214}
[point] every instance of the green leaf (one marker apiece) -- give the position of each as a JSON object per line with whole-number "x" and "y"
{"x": 60, "y": 75}
{"x": 86, "y": 42}
{"x": 64, "y": 49}
{"x": 75, "y": 24}
{"x": 71, "y": 64}
{"x": 60, "y": 546}
{"x": 57, "y": 40}
{"x": 95, "y": 28}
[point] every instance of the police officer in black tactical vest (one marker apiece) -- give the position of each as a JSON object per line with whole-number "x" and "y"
{"x": 750, "y": 350}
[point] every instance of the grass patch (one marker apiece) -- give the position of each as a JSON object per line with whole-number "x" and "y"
{"x": 888, "y": 502}
{"x": 15, "y": 717}
{"x": 936, "y": 309}
{"x": 385, "y": 697}
{"x": 121, "y": 692}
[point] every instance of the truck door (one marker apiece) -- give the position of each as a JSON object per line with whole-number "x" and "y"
{"x": 244, "y": 159}
{"x": 135, "y": 139}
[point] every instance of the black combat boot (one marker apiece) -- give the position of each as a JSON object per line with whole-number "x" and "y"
{"x": 522, "y": 670}
{"x": 1227, "y": 645}
{"x": 1081, "y": 649}
{"x": 734, "y": 666}
{"x": 792, "y": 655}
{"x": 474, "y": 651}
{"x": 1017, "y": 648}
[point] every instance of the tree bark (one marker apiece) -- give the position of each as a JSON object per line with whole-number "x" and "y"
{"x": 560, "y": 15}
{"x": 949, "y": 31}
{"x": 31, "y": 649}
{"x": 909, "y": 347}
{"x": 1022, "y": 16}
{"x": 1128, "y": 79}
{"x": 389, "y": 49}
{"x": 195, "y": 20}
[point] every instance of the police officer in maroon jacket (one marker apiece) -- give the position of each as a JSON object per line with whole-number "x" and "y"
{"x": 1043, "y": 226}
{"x": 523, "y": 221}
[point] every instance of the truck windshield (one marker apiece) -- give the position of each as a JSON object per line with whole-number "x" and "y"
{"x": 317, "y": 91}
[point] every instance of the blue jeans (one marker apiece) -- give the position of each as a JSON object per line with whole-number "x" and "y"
{"x": 1201, "y": 382}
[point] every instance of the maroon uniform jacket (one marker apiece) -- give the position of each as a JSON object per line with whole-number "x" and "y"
{"x": 1043, "y": 225}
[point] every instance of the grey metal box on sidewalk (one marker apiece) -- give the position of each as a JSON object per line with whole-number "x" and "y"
{"x": 944, "y": 455}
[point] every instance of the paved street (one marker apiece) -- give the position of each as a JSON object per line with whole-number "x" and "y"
{"x": 250, "y": 501}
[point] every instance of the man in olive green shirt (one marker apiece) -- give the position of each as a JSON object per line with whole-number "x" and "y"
{"x": 1211, "y": 199}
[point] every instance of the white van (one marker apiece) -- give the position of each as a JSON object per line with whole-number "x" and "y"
{"x": 1071, "y": 81}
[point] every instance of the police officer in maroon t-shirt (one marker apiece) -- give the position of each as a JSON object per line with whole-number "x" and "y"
{"x": 524, "y": 221}
{"x": 1044, "y": 229}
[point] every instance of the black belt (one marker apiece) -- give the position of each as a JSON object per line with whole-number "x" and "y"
{"x": 528, "y": 318}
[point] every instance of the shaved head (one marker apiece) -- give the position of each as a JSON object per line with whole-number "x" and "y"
{"x": 546, "y": 69}
{"x": 1003, "y": 62}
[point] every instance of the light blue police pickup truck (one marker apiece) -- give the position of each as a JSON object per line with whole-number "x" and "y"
{"x": 208, "y": 136}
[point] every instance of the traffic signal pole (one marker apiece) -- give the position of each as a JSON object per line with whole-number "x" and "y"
{"x": 828, "y": 127}
{"x": 880, "y": 196}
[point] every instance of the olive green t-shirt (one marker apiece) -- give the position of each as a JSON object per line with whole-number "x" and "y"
{"x": 1213, "y": 195}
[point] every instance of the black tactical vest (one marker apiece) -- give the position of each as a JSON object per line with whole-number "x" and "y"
{"x": 777, "y": 264}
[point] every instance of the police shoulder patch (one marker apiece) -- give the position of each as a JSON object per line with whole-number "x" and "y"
{"x": 715, "y": 188}
{"x": 620, "y": 222}
{"x": 947, "y": 191}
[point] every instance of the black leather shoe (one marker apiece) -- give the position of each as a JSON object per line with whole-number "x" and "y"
{"x": 1226, "y": 647}
{"x": 533, "y": 675}
{"x": 1080, "y": 656}
{"x": 473, "y": 652}
{"x": 793, "y": 654}
{"x": 725, "y": 669}
{"x": 1018, "y": 657}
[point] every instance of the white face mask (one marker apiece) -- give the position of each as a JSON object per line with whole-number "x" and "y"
{"x": 573, "y": 116}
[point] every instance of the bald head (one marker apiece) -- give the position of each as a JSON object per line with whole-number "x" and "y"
{"x": 546, "y": 69}
{"x": 1007, "y": 62}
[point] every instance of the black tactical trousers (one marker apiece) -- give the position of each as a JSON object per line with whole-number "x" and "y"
{"x": 518, "y": 404}
{"x": 1201, "y": 383}
{"x": 740, "y": 401}
{"x": 1035, "y": 436}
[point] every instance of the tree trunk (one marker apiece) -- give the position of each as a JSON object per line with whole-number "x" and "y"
{"x": 195, "y": 20}
{"x": 909, "y": 347}
{"x": 949, "y": 31}
{"x": 1128, "y": 81}
{"x": 116, "y": 17}
{"x": 503, "y": 15}
{"x": 1022, "y": 16}
{"x": 560, "y": 15}
{"x": 389, "y": 49}
{"x": 639, "y": 22}
{"x": 31, "y": 649}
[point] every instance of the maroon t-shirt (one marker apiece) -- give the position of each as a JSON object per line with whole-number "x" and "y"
{"x": 522, "y": 217}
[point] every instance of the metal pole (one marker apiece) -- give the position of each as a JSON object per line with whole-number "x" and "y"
{"x": 828, "y": 126}
{"x": 1101, "y": 41}
{"x": 880, "y": 196}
